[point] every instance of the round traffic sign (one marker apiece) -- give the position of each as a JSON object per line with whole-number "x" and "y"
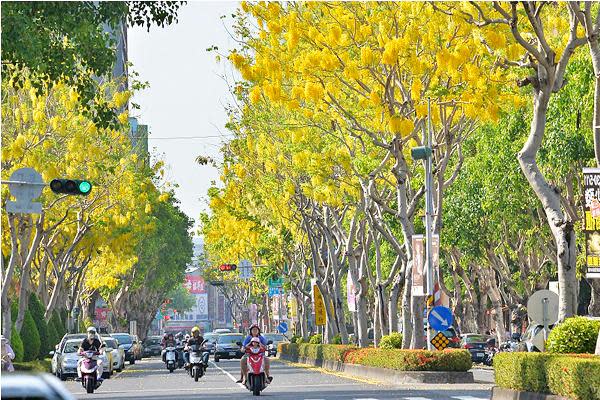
{"x": 283, "y": 327}
{"x": 31, "y": 188}
{"x": 540, "y": 300}
{"x": 440, "y": 318}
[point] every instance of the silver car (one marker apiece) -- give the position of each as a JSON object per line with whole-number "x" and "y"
{"x": 29, "y": 386}
{"x": 117, "y": 353}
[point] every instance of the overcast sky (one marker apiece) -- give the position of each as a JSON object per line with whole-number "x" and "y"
{"x": 187, "y": 94}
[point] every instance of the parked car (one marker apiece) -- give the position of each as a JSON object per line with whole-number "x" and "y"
{"x": 133, "y": 350}
{"x": 64, "y": 360}
{"x": 453, "y": 336}
{"x": 211, "y": 341}
{"x": 228, "y": 347}
{"x": 276, "y": 338}
{"x": 222, "y": 330}
{"x": 118, "y": 354}
{"x": 476, "y": 344}
{"x": 29, "y": 386}
{"x": 152, "y": 346}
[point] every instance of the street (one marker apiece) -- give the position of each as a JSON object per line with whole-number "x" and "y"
{"x": 149, "y": 379}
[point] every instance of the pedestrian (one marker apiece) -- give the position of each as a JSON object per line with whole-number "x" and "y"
{"x": 8, "y": 355}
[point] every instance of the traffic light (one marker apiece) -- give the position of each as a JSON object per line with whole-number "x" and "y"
{"x": 420, "y": 152}
{"x": 227, "y": 267}
{"x": 71, "y": 186}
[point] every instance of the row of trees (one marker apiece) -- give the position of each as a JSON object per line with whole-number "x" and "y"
{"x": 127, "y": 241}
{"x": 319, "y": 182}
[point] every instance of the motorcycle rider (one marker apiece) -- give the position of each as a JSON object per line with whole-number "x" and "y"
{"x": 195, "y": 339}
{"x": 254, "y": 333}
{"x": 168, "y": 341}
{"x": 91, "y": 343}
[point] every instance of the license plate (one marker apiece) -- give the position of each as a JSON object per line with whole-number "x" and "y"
{"x": 232, "y": 353}
{"x": 480, "y": 354}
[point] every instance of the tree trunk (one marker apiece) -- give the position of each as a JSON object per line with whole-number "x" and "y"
{"x": 418, "y": 309}
{"x": 561, "y": 228}
{"x": 594, "y": 307}
{"x": 393, "y": 307}
{"x": 406, "y": 309}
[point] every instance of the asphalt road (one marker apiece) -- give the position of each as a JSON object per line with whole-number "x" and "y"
{"x": 149, "y": 379}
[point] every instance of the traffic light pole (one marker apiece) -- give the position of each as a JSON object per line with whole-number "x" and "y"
{"x": 427, "y": 139}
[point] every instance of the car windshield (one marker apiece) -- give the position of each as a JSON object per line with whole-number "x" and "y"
{"x": 230, "y": 338}
{"x": 211, "y": 337}
{"x": 449, "y": 333}
{"x": 123, "y": 339}
{"x": 476, "y": 339}
{"x": 152, "y": 341}
{"x": 112, "y": 343}
{"x": 274, "y": 337}
{"x": 72, "y": 346}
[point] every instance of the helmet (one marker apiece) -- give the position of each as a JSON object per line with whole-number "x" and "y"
{"x": 255, "y": 340}
{"x": 187, "y": 337}
{"x": 254, "y": 326}
{"x": 92, "y": 330}
{"x": 195, "y": 329}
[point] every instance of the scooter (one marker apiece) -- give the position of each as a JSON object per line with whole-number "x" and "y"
{"x": 256, "y": 380}
{"x": 89, "y": 371}
{"x": 171, "y": 358}
{"x": 180, "y": 359}
{"x": 198, "y": 361}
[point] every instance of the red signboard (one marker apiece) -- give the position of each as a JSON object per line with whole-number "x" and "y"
{"x": 102, "y": 314}
{"x": 195, "y": 284}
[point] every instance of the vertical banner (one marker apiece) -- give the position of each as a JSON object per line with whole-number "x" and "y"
{"x": 350, "y": 293}
{"x": 418, "y": 278}
{"x": 591, "y": 223}
{"x": 202, "y": 306}
{"x": 293, "y": 308}
{"x": 318, "y": 304}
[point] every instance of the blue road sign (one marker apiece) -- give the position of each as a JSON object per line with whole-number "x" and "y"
{"x": 440, "y": 318}
{"x": 282, "y": 327}
{"x": 275, "y": 290}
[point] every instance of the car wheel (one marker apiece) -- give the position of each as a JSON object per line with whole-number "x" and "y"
{"x": 216, "y": 359}
{"x": 61, "y": 376}
{"x": 132, "y": 361}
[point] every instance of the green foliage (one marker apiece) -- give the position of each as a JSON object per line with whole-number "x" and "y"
{"x": 30, "y": 337}
{"x": 16, "y": 343}
{"x": 401, "y": 360}
{"x": 391, "y": 341}
{"x": 316, "y": 339}
{"x": 572, "y": 376}
{"x": 40, "y": 366}
{"x": 53, "y": 336}
{"x": 574, "y": 335}
{"x": 337, "y": 339}
{"x": 37, "y": 312}
{"x": 59, "y": 326}
{"x": 182, "y": 299}
{"x": 57, "y": 39}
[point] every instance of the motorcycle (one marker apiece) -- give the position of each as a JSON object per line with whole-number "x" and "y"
{"x": 171, "y": 358}
{"x": 256, "y": 380}
{"x": 180, "y": 360}
{"x": 198, "y": 361}
{"x": 89, "y": 371}
{"x": 490, "y": 352}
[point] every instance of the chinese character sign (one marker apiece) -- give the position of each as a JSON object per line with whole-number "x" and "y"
{"x": 195, "y": 284}
{"x": 418, "y": 250}
{"x": 318, "y": 305}
{"x": 591, "y": 222}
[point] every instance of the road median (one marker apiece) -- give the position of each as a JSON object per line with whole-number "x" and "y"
{"x": 385, "y": 365}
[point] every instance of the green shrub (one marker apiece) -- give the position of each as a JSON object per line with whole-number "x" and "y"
{"x": 58, "y": 325}
{"x": 44, "y": 365}
{"x": 37, "y": 312}
{"x": 30, "y": 337}
{"x": 316, "y": 339}
{"x": 402, "y": 360}
{"x": 53, "y": 337}
{"x": 574, "y": 335}
{"x": 16, "y": 343}
{"x": 574, "y": 376}
{"x": 299, "y": 340}
{"x": 412, "y": 360}
{"x": 294, "y": 338}
{"x": 391, "y": 341}
{"x": 337, "y": 339}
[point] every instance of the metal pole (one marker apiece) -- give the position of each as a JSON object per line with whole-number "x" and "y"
{"x": 428, "y": 223}
{"x": 545, "y": 318}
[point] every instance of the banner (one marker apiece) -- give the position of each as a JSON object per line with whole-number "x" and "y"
{"x": 202, "y": 306}
{"x": 591, "y": 223}
{"x": 293, "y": 308}
{"x": 350, "y": 293}
{"x": 318, "y": 305}
{"x": 418, "y": 267}
{"x": 194, "y": 284}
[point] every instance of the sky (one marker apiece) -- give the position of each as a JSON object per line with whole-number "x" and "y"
{"x": 187, "y": 95}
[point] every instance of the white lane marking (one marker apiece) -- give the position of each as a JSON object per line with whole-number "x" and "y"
{"x": 228, "y": 374}
{"x": 366, "y": 398}
{"x": 416, "y": 398}
{"x": 468, "y": 398}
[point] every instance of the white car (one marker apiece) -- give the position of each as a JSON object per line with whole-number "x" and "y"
{"x": 118, "y": 354}
{"x": 29, "y": 386}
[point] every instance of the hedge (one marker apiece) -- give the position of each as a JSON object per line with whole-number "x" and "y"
{"x": 400, "y": 360}
{"x": 391, "y": 341}
{"x": 44, "y": 365}
{"x": 37, "y": 312}
{"x": 576, "y": 376}
{"x": 30, "y": 337}
{"x": 574, "y": 335}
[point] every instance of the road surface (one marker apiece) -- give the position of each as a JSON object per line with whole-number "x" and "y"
{"x": 149, "y": 379}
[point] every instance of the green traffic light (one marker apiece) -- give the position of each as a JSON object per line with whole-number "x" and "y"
{"x": 85, "y": 187}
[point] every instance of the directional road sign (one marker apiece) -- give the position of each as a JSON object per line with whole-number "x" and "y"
{"x": 275, "y": 291}
{"x": 440, "y": 341}
{"x": 26, "y": 185}
{"x": 276, "y": 282}
{"x": 282, "y": 327}
{"x": 440, "y": 318}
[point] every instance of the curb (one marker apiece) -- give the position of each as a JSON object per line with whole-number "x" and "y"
{"x": 386, "y": 375}
{"x": 500, "y": 393}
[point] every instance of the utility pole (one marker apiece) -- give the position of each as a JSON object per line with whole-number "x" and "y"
{"x": 425, "y": 153}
